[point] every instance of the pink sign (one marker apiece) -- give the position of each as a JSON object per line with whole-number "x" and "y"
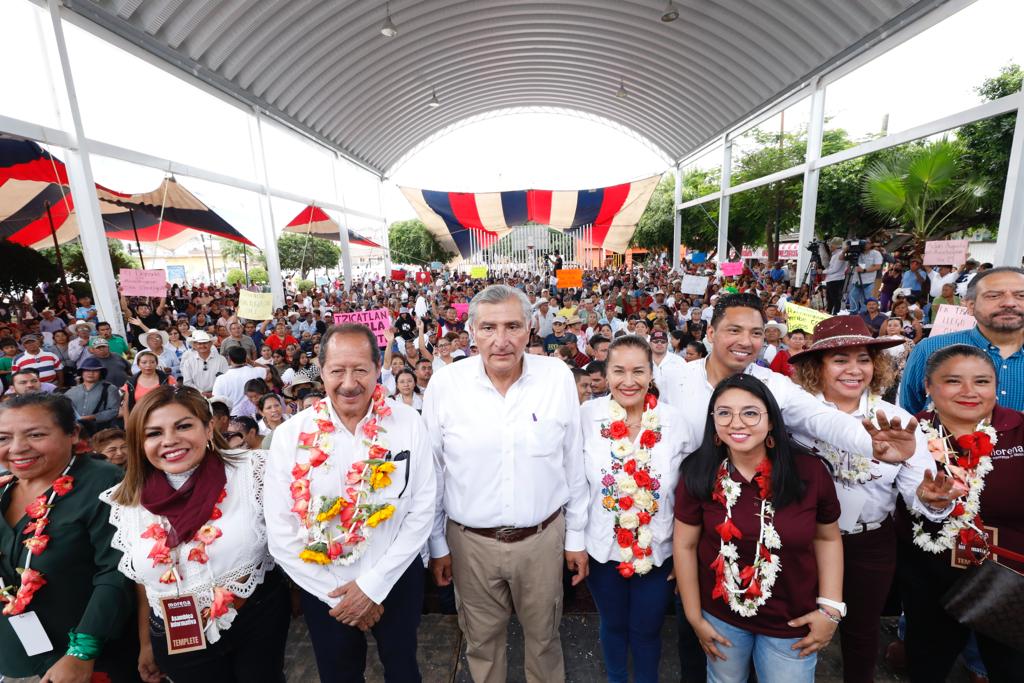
{"x": 462, "y": 310}
{"x": 378, "y": 320}
{"x": 952, "y": 319}
{"x": 732, "y": 268}
{"x": 137, "y": 282}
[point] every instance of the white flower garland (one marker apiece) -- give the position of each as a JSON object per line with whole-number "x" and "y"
{"x": 849, "y": 468}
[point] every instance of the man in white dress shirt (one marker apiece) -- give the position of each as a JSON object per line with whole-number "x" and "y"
{"x": 231, "y": 384}
{"x": 667, "y": 366}
{"x": 382, "y": 589}
{"x": 201, "y": 364}
{"x": 505, "y": 429}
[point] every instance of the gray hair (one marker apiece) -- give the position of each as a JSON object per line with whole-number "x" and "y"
{"x": 496, "y": 294}
{"x": 352, "y": 329}
{"x": 972, "y": 286}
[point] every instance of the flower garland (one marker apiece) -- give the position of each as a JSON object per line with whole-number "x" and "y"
{"x": 335, "y": 529}
{"x": 745, "y": 590}
{"x": 39, "y": 512}
{"x": 850, "y": 468}
{"x": 631, "y": 489}
{"x": 964, "y": 522}
{"x": 160, "y": 553}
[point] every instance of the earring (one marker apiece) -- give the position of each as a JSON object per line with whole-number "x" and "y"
{"x": 769, "y": 441}
{"x": 718, "y": 442}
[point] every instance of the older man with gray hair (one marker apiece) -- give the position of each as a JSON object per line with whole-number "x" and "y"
{"x": 505, "y": 429}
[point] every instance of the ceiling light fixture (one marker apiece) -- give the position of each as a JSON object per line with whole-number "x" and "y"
{"x": 434, "y": 102}
{"x": 621, "y": 92}
{"x": 671, "y": 13}
{"x": 388, "y": 28}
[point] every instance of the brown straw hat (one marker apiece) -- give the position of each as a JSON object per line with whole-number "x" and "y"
{"x": 843, "y": 332}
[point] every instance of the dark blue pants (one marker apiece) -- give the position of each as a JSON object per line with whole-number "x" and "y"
{"x": 632, "y": 611}
{"x": 341, "y": 649}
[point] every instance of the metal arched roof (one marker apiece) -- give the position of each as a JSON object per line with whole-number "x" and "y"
{"x": 323, "y": 67}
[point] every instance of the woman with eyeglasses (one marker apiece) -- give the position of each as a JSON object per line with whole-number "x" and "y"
{"x": 847, "y": 368}
{"x": 757, "y": 550}
{"x": 189, "y": 519}
{"x": 407, "y": 391}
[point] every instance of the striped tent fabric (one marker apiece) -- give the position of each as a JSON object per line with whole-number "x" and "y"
{"x": 610, "y": 213}
{"x": 314, "y": 221}
{"x": 31, "y": 178}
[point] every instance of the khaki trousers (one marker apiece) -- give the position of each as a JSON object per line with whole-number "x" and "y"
{"x": 491, "y": 579}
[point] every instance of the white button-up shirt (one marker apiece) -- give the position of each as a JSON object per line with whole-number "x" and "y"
{"x": 669, "y": 372}
{"x": 199, "y": 373}
{"x": 394, "y": 543}
{"x": 231, "y": 385}
{"x": 678, "y": 439}
{"x": 875, "y": 500}
{"x": 805, "y": 415}
{"x": 507, "y": 460}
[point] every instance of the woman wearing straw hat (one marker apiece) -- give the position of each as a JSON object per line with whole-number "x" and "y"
{"x": 846, "y": 368}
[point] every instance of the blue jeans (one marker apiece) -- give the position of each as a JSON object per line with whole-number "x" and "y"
{"x": 632, "y": 611}
{"x": 774, "y": 660}
{"x": 858, "y": 294}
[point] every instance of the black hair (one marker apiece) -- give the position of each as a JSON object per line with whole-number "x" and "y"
{"x": 578, "y": 373}
{"x": 266, "y": 397}
{"x": 60, "y": 407}
{"x": 219, "y": 409}
{"x": 8, "y": 341}
{"x": 699, "y": 348}
{"x": 256, "y": 385}
{"x": 956, "y": 350}
{"x": 350, "y": 329}
{"x": 246, "y": 423}
{"x": 237, "y": 355}
{"x": 736, "y": 301}
{"x": 597, "y": 366}
{"x": 633, "y": 341}
{"x": 407, "y": 371}
{"x": 700, "y": 470}
{"x": 25, "y": 371}
{"x": 798, "y": 330}
{"x": 422, "y": 360}
{"x": 598, "y": 339}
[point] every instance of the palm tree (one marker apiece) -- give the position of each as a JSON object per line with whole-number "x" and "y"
{"x": 924, "y": 189}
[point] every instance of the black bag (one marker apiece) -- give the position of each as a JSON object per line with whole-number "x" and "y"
{"x": 989, "y": 598}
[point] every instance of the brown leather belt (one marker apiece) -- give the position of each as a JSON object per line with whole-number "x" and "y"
{"x": 512, "y": 534}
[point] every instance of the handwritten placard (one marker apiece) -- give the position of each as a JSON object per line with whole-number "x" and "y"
{"x": 694, "y": 284}
{"x": 176, "y": 273}
{"x": 378, "y": 320}
{"x": 945, "y": 252}
{"x": 952, "y": 319}
{"x": 478, "y": 272}
{"x": 732, "y": 268}
{"x": 255, "y": 305}
{"x": 569, "y": 277}
{"x": 138, "y": 282}
{"x": 803, "y": 318}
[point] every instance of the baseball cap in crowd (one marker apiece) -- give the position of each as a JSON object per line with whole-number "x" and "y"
{"x": 541, "y": 300}
{"x": 559, "y": 319}
{"x": 659, "y": 335}
{"x": 30, "y": 337}
{"x": 98, "y": 341}
{"x": 575, "y": 320}
{"x": 871, "y": 298}
{"x": 778, "y": 326}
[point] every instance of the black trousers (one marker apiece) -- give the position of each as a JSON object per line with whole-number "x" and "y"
{"x": 869, "y": 564}
{"x": 934, "y": 639}
{"x": 833, "y": 298}
{"x": 341, "y": 649}
{"x": 251, "y": 651}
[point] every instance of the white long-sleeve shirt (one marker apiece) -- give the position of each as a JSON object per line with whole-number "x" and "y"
{"x": 874, "y": 500}
{"x": 678, "y": 440}
{"x": 394, "y": 543}
{"x": 805, "y": 416}
{"x": 507, "y": 460}
{"x": 231, "y": 385}
{"x": 669, "y": 371}
{"x": 200, "y": 373}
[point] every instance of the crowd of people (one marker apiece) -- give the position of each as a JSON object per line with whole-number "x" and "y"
{"x": 173, "y": 497}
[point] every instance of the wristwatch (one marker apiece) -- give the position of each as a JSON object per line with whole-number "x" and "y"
{"x": 837, "y": 606}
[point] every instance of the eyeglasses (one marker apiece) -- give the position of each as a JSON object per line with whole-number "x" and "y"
{"x": 748, "y": 416}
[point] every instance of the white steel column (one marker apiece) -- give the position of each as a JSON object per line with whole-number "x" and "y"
{"x": 346, "y": 247}
{"x": 386, "y": 238}
{"x": 723, "y": 203}
{"x": 809, "y": 203}
{"x": 83, "y": 189}
{"x": 269, "y": 233}
{"x": 1010, "y": 241}
{"x": 677, "y": 219}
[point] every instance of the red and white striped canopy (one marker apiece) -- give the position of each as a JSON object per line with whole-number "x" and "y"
{"x": 314, "y": 221}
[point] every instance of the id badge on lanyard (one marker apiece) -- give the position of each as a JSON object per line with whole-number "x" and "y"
{"x": 183, "y": 624}
{"x": 30, "y": 632}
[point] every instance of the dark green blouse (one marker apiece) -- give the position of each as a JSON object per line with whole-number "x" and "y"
{"x": 84, "y": 591}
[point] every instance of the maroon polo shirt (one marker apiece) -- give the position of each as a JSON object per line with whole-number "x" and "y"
{"x": 1002, "y": 505}
{"x": 796, "y": 587}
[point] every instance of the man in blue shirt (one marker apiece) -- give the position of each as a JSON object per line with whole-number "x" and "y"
{"x": 995, "y": 298}
{"x": 914, "y": 278}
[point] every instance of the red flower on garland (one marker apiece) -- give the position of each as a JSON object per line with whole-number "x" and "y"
{"x": 37, "y": 526}
{"x": 624, "y": 537}
{"x": 764, "y": 478}
{"x": 377, "y": 452}
{"x": 644, "y": 517}
{"x": 325, "y": 426}
{"x": 728, "y": 531}
{"x": 198, "y": 554}
{"x": 754, "y": 591}
{"x": 977, "y": 444}
{"x": 649, "y": 438}
{"x": 625, "y": 503}
{"x": 306, "y": 439}
{"x": 37, "y": 544}
{"x": 63, "y": 485}
{"x": 317, "y": 457}
{"x": 618, "y": 430}
{"x": 370, "y": 429}
{"x": 300, "y": 470}
{"x": 160, "y": 553}
{"x": 626, "y": 569}
{"x": 650, "y": 402}
{"x": 630, "y": 467}
{"x": 223, "y": 599}
{"x": 642, "y": 479}
{"x": 958, "y": 510}
{"x": 37, "y": 508}
{"x": 154, "y": 531}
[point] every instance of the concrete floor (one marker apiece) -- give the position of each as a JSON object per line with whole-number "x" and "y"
{"x": 442, "y": 660}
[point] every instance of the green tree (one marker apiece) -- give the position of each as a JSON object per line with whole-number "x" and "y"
{"x": 23, "y": 269}
{"x": 924, "y": 189}
{"x": 74, "y": 259}
{"x": 302, "y": 253}
{"x": 257, "y": 276}
{"x": 986, "y": 144}
{"x": 241, "y": 253}
{"x": 412, "y": 243}
{"x": 654, "y": 230}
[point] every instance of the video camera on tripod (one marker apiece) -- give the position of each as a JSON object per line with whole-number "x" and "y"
{"x": 853, "y": 250}
{"x": 819, "y": 253}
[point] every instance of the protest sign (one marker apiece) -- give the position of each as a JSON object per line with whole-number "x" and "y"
{"x": 694, "y": 284}
{"x": 423, "y": 277}
{"x": 569, "y": 277}
{"x": 803, "y": 318}
{"x": 377, "y": 320}
{"x": 436, "y": 265}
{"x": 461, "y": 310}
{"x": 255, "y": 305}
{"x": 952, "y": 319}
{"x": 478, "y": 272}
{"x": 137, "y": 282}
{"x": 945, "y": 252}
{"x": 176, "y": 273}
{"x": 698, "y": 257}
{"x": 732, "y": 268}
{"x": 398, "y": 274}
